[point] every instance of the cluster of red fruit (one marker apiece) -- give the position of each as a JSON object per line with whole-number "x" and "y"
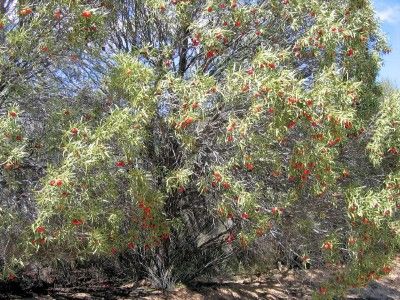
{"x": 217, "y": 179}
{"x": 74, "y": 131}
{"x": 12, "y": 114}
{"x": 223, "y": 6}
{"x": 230, "y": 238}
{"x": 25, "y": 11}
{"x": 56, "y": 182}
{"x": 393, "y": 150}
{"x": 305, "y": 172}
{"x": 77, "y": 222}
{"x": 148, "y": 222}
{"x": 41, "y": 230}
{"x": 327, "y": 245}
{"x": 120, "y": 164}
{"x": 86, "y": 14}
{"x": 57, "y": 14}
{"x": 277, "y": 210}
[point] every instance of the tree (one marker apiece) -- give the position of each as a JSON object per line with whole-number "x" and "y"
{"x": 188, "y": 131}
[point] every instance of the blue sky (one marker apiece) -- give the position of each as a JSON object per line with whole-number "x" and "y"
{"x": 388, "y": 12}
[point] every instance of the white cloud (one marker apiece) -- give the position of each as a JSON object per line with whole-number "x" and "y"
{"x": 389, "y": 14}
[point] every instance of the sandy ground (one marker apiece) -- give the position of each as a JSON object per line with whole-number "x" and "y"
{"x": 287, "y": 284}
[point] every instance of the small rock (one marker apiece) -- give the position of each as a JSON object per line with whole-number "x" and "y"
{"x": 82, "y": 296}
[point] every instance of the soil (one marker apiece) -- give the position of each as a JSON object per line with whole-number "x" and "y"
{"x": 286, "y": 284}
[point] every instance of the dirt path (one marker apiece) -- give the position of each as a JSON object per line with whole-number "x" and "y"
{"x": 274, "y": 286}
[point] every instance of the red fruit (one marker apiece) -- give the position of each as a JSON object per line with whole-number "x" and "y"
{"x": 165, "y": 236}
{"x": 250, "y": 71}
{"x": 210, "y": 54}
{"x": 230, "y": 238}
{"x": 348, "y": 125}
{"x": 276, "y": 173}
{"x": 52, "y": 182}
{"x": 327, "y": 246}
{"x": 25, "y": 11}
{"x": 131, "y": 245}
{"x": 188, "y": 120}
{"x": 245, "y": 216}
{"x": 12, "y": 114}
{"x": 323, "y": 290}
{"x": 74, "y": 131}
{"x": 229, "y": 138}
{"x": 238, "y": 23}
{"x": 59, "y": 182}
{"x": 291, "y": 124}
{"x": 226, "y": 185}
{"x": 351, "y": 241}
{"x": 274, "y": 210}
{"x": 217, "y": 176}
{"x": 8, "y": 166}
{"x": 209, "y": 9}
{"x": 332, "y": 143}
{"x": 260, "y": 231}
{"x": 311, "y": 165}
{"x": 76, "y": 222}
{"x": 249, "y": 166}
{"x": 246, "y": 88}
{"x": 57, "y": 14}
{"x": 11, "y": 277}
{"x": 271, "y": 110}
{"x": 147, "y": 211}
{"x": 298, "y": 165}
{"x": 222, "y": 6}
{"x": 386, "y": 269}
{"x": 40, "y": 229}
{"x": 114, "y": 250}
{"x": 195, "y": 42}
{"x": 168, "y": 63}
{"x": 181, "y": 190}
{"x": 86, "y": 14}
{"x": 393, "y": 150}
{"x": 350, "y": 52}
{"x": 120, "y": 164}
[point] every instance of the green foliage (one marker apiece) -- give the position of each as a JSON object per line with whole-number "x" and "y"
{"x": 185, "y": 132}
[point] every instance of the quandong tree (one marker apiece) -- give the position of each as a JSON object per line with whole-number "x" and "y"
{"x": 188, "y": 132}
